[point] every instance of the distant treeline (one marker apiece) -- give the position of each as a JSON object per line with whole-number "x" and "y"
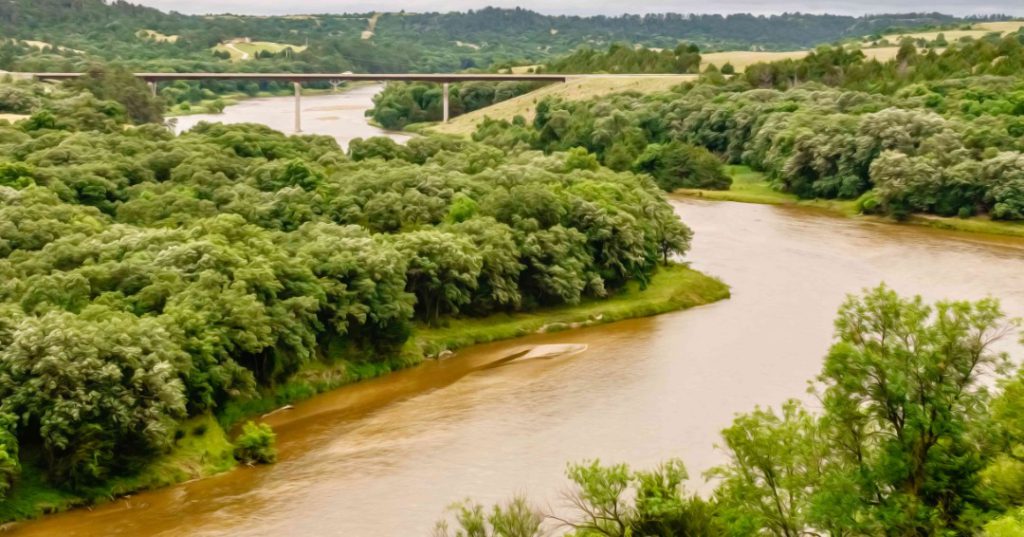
{"x": 936, "y": 132}
{"x": 89, "y": 30}
{"x": 623, "y": 58}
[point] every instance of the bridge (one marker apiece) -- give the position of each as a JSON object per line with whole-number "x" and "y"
{"x": 297, "y": 79}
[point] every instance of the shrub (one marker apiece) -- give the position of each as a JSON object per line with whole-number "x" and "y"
{"x": 256, "y": 444}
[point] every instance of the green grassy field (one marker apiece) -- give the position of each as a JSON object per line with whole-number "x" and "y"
{"x": 247, "y": 51}
{"x": 750, "y": 186}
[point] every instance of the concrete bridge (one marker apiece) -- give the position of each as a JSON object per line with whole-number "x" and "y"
{"x": 334, "y": 78}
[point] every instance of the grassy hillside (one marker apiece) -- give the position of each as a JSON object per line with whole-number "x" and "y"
{"x": 585, "y": 87}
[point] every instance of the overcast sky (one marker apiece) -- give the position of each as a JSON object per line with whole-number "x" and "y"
{"x": 593, "y": 7}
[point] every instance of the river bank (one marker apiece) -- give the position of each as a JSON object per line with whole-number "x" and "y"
{"x": 752, "y": 187}
{"x": 387, "y": 455}
{"x": 202, "y": 445}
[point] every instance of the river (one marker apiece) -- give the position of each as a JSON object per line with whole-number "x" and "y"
{"x": 336, "y": 114}
{"x": 385, "y": 457}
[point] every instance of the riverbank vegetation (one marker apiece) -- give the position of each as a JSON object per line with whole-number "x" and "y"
{"x": 933, "y": 133}
{"x": 909, "y": 437}
{"x": 149, "y": 279}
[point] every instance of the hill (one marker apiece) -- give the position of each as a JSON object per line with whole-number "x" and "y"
{"x": 147, "y": 38}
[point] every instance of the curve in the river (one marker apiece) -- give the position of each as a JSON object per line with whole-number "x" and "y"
{"x": 387, "y": 456}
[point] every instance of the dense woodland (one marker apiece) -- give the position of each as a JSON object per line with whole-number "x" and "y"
{"x": 933, "y": 133}
{"x": 176, "y": 274}
{"x": 84, "y": 30}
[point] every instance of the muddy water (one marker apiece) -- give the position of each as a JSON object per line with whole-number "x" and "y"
{"x": 385, "y": 458}
{"x": 339, "y": 115}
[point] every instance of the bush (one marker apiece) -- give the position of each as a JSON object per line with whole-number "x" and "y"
{"x": 9, "y": 465}
{"x": 256, "y": 444}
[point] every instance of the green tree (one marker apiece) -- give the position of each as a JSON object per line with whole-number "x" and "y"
{"x": 901, "y": 390}
{"x": 442, "y": 271}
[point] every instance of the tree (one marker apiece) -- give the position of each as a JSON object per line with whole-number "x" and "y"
{"x": 96, "y": 388}
{"x": 442, "y": 271}
{"x": 901, "y": 390}
{"x": 600, "y": 502}
{"x": 514, "y": 519}
{"x": 116, "y": 83}
{"x": 678, "y": 165}
{"x": 775, "y": 464}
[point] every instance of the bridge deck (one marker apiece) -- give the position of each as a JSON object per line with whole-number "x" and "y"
{"x": 309, "y": 77}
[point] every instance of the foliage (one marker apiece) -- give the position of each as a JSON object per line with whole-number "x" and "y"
{"x": 147, "y": 277}
{"x": 624, "y": 58}
{"x": 934, "y": 133}
{"x": 120, "y": 85}
{"x": 677, "y": 165}
{"x": 515, "y": 519}
{"x": 78, "y": 32}
{"x": 256, "y": 444}
{"x": 403, "y": 103}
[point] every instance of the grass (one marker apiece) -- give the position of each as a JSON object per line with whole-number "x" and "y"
{"x": 201, "y": 449}
{"x": 673, "y": 288}
{"x": 741, "y": 59}
{"x": 752, "y": 187}
{"x": 247, "y": 51}
{"x": 156, "y": 36}
{"x": 576, "y": 88}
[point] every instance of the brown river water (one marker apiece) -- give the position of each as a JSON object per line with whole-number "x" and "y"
{"x": 386, "y": 457}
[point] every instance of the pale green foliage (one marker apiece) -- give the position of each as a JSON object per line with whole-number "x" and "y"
{"x": 775, "y": 460}
{"x": 514, "y": 519}
{"x": 614, "y": 501}
{"x": 93, "y": 384}
{"x": 10, "y": 466}
{"x": 256, "y": 444}
{"x": 1008, "y": 525}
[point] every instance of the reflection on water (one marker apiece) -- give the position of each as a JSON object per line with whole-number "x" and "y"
{"x": 339, "y": 115}
{"x": 386, "y": 457}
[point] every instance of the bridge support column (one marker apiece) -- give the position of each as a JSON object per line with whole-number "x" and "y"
{"x": 444, "y": 90}
{"x": 298, "y": 107}
{"x": 152, "y": 87}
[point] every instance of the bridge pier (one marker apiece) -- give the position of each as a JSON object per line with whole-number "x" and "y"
{"x": 152, "y": 87}
{"x": 298, "y": 107}
{"x": 444, "y": 90}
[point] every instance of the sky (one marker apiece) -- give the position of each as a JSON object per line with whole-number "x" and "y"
{"x": 595, "y": 7}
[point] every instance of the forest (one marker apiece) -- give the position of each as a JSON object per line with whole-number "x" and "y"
{"x": 939, "y": 133}
{"x": 80, "y": 31}
{"x": 176, "y": 274}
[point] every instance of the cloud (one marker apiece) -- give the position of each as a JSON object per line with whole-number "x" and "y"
{"x": 589, "y": 7}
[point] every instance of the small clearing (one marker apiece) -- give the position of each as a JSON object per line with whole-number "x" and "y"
{"x": 741, "y": 59}
{"x": 154, "y": 35}
{"x": 241, "y": 50}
